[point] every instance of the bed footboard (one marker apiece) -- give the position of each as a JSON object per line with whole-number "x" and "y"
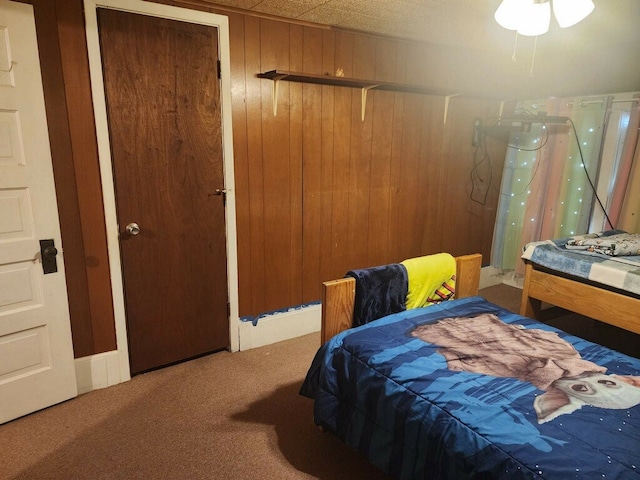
{"x": 338, "y": 296}
{"x": 599, "y": 303}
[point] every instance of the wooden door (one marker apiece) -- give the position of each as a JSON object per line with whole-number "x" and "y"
{"x": 163, "y": 104}
{"x": 36, "y": 352}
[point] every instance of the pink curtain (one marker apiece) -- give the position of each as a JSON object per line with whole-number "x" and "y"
{"x": 539, "y": 222}
{"x": 626, "y": 189}
{"x": 545, "y": 193}
{"x": 553, "y": 190}
{"x": 630, "y": 212}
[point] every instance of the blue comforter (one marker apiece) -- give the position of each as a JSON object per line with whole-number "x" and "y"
{"x": 433, "y": 393}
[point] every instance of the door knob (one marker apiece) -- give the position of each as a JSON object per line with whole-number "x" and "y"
{"x": 48, "y": 253}
{"x": 133, "y": 229}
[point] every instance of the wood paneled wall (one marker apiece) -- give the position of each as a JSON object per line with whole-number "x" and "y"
{"x": 74, "y": 152}
{"x": 318, "y": 191}
{"x": 321, "y": 192}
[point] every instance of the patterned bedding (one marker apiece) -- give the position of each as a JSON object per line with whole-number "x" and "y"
{"x": 617, "y": 245}
{"x": 466, "y": 389}
{"x": 618, "y": 271}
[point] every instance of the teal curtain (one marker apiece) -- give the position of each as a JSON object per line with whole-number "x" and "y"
{"x": 546, "y": 189}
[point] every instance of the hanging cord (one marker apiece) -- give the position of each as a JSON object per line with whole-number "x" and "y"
{"x": 533, "y": 56}
{"x": 584, "y": 167}
{"x": 477, "y": 163}
{"x": 515, "y": 47}
{"x": 544, "y": 139}
{"x": 475, "y": 175}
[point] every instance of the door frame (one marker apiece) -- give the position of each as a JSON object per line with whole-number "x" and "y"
{"x": 104, "y": 154}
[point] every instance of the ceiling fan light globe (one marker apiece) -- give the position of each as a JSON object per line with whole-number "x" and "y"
{"x": 509, "y": 13}
{"x": 536, "y": 18}
{"x": 570, "y": 12}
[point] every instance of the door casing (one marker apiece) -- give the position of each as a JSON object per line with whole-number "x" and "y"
{"x": 104, "y": 153}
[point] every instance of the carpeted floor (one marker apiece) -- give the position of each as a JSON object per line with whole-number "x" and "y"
{"x": 223, "y": 416}
{"x": 231, "y": 416}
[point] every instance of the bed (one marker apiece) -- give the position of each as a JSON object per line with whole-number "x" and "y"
{"x": 467, "y": 389}
{"x": 602, "y": 287}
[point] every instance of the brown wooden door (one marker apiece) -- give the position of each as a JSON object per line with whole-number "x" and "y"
{"x": 163, "y": 104}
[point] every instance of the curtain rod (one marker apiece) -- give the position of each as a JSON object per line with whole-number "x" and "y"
{"x": 592, "y": 102}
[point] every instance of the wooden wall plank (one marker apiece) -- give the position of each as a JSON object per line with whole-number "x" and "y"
{"x": 327, "y": 154}
{"x": 254, "y": 107}
{"x": 344, "y": 97}
{"x": 241, "y": 157}
{"x": 275, "y": 173}
{"x": 409, "y": 168}
{"x": 312, "y": 157}
{"x": 395, "y": 231}
{"x": 432, "y": 209}
{"x": 413, "y": 130}
{"x": 382, "y": 118}
{"x": 360, "y": 161}
{"x": 296, "y": 55}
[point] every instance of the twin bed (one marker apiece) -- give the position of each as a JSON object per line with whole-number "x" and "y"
{"x": 467, "y": 389}
{"x": 604, "y": 287}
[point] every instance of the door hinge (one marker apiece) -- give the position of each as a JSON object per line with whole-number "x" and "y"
{"x": 219, "y": 69}
{"x": 228, "y": 309}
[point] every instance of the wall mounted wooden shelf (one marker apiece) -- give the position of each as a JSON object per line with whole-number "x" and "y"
{"x": 349, "y": 82}
{"x": 363, "y": 85}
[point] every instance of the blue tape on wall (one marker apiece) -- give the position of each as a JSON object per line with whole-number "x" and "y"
{"x": 254, "y": 320}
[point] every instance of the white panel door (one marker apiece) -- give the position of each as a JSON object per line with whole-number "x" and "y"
{"x": 36, "y": 353}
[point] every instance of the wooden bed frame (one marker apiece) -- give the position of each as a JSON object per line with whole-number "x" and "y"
{"x": 338, "y": 296}
{"x": 543, "y": 285}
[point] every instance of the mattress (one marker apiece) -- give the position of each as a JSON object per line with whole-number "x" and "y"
{"x": 619, "y": 272}
{"x": 466, "y": 389}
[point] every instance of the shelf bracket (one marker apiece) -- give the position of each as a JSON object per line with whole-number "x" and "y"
{"x": 363, "y": 92}
{"x": 274, "y": 92}
{"x": 446, "y": 105}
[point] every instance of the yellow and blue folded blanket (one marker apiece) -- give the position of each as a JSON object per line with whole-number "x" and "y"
{"x": 416, "y": 282}
{"x": 431, "y": 279}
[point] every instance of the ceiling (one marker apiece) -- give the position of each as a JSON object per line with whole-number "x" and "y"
{"x": 602, "y": 50}
{"x": 449, "y": 22}
{"x": 414, "y": 19}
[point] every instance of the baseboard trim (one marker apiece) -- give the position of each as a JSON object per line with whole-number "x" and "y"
{"x": 307, "y": 319}
{"x": 490, "y": 276}
{"x": 280, "y": 326}
{"x": 97, "y": 371}
{"x": 514, "y": 280}
{"x": 103, "y": 369}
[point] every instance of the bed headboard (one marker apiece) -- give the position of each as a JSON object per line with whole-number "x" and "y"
{"x": 338, "y": 296}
